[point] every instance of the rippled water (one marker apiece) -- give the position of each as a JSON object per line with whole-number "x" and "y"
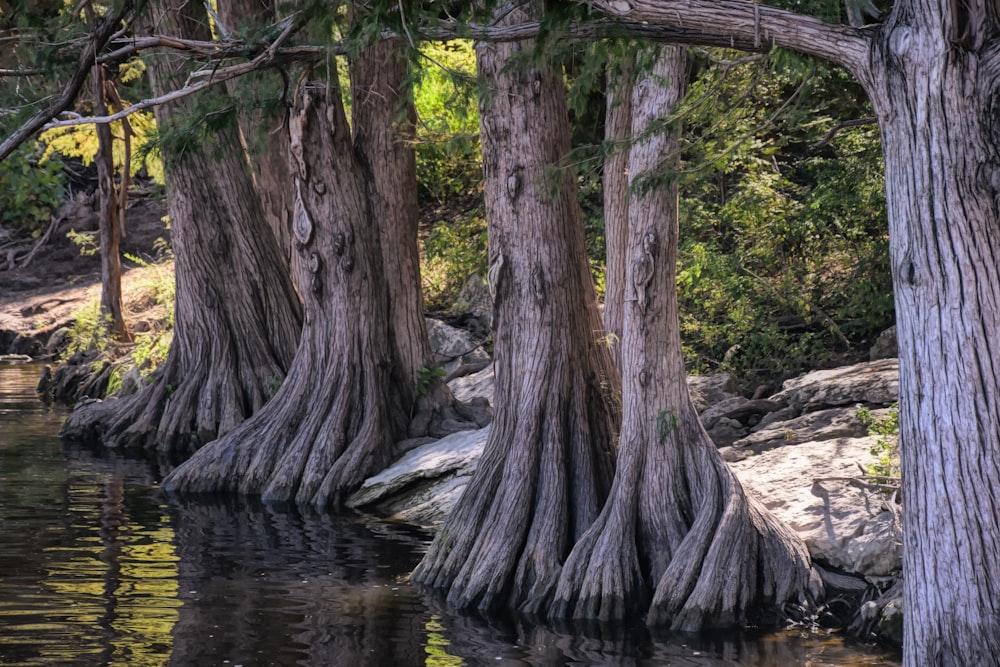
{"x": 98, "y": 568}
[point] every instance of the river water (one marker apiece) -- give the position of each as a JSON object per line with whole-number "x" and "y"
{"x": 97, "y": 567}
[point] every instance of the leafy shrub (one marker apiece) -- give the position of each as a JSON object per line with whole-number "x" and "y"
{"x": 31, "y": 187}
{"x": 885, "y": 470}
{"x": 453, "y": 251}
{"x": 447, "y": 134}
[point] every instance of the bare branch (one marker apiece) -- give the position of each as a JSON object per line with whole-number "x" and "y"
{"x": 843, "y": 125}
{"x": 21, "y": 72}
{"x": 750, "y": 21}
{"x": 103, "y": 31}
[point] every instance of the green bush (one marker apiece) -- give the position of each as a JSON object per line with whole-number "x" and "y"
{"x": 447, "y": 134}
{"x": 31, "y": 187}
{"x": 453, "y": 250}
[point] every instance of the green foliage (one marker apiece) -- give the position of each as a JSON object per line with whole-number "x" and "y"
{"x": 447, "y": 135}
{"x": 80, "y": 141}
{"x": 85, "y": 241}
{"x": 31, "y": 187}
{"x": 426, "y": 377}
{"x": 453, "y": 250}
{"x": 885, "y": 470}
{"x": 783, "y": 259}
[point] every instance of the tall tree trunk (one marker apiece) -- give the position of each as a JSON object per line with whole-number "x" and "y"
{"x": 337, "y": 416}
{"x": 936, "y": 90}
{"x": 617, "y": 130}
{"x": 548, "y": 461}
{"x": 678, "y": 536}
{"x": 264, "y": 127}
{"x": 384, "y": 125}
{"x": 236, "y": 317}
{"x": 110, "y": 223}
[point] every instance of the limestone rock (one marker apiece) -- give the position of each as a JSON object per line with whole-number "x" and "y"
{"x": 454, "y": 348}
{"x": 475, "y": 299}
{"x": 885, "y": 346}
{"x": 708, "y": 390}
{"x": 810, "y": 427}
{"x": 423, "y": 485}
{"x": 476, "y": 385}
{"x": 844, "y": 525}
{"x": 872, "y": 383}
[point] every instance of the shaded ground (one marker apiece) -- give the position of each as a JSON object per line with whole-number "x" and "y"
{"x": 38, "y": 299}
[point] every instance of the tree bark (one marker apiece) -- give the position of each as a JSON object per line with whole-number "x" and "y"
{"x": 617, "y": 130}
{"x": 678, "y": 536}
{"x": 384, "y": 125}
{"x": 548, "y": 461}
{"x": 265, "y": 129}
{"x": 936, "y": 101}
{"x": 337, "y": 416}
{"x": 236, "y": 320}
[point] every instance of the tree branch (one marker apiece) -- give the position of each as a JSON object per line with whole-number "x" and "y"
{"x": 843, "y": 125}
{"x": 751, "y": 22}
{"x": 103, "y": 32}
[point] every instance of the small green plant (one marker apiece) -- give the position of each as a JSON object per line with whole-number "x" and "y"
{"x": 885, "y": 470}
{"x": 85, "y": 241}
{"x": 666, "y": 423}
{"x": 426, "y": 377}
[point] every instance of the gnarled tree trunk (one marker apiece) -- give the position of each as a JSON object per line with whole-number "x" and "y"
{"x": 617, "y": 131}
{"x": 548, "y": 461}
{"x": 383, "y": 124}
{"x": 335, "y": 419}
{"x": 678, "y": 537}
{"x": 932, "y": 72}
{"x": 236, "y": 317}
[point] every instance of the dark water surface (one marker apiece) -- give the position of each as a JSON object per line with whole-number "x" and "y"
{"x": 98, "y": 568}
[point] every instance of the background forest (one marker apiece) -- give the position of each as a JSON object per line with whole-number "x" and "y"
{"x": 783, "y": 257}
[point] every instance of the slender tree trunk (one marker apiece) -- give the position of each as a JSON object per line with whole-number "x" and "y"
{"x": 548, "y": 462}
{"x": 337, "y": 416}
{"x": 678, "y": 537}
{"x": 236, "y": 317}
{"x": 617, "y": 130}
{"x": 110, "y": 222}
{"x": 936, "y": 97}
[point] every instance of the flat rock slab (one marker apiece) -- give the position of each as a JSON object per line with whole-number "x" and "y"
{"x": 423, "y": 485}
{"x": 871, "y": 383}
{"x": 810, "y": 427}
{"x": 815, "y": 489}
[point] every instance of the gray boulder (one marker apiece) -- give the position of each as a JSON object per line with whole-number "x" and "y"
{"x": 422, "y": 486}
{"x": 455, "y": 349}
{"x": 810, "y": 427}
{"x": 475, "y": 385}
{"x": 815, "y": 489}
{"x": 885, "y": 346}
{"x": 708, "y": 390}
{"x": 475, "y": 299}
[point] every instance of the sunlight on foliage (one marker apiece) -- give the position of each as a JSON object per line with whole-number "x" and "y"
{"x": 447, "y": 141}
{"x": 81, "y": 142}
{"x": 453, "y": 251}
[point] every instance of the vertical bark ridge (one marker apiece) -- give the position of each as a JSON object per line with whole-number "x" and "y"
{"x": 934, "y": 99}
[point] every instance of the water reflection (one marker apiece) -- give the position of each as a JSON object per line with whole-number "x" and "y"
{"x": 98, "y": 568}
